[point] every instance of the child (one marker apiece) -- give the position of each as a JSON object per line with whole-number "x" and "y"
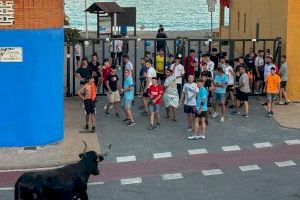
{"x": 155, "y": 94}
{"x": 88, "y": 94}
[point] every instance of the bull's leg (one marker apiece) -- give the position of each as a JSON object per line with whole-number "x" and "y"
{"x": 83, "y": 195}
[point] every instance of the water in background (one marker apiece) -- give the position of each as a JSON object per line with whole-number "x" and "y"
{"x": 176, "y": 15}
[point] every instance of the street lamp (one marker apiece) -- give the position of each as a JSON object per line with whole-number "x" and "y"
{"x": 86, "y": 25}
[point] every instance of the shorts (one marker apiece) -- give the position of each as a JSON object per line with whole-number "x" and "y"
{"x": 126, "y": 103}
{"x": 188, "y": 109}
{"x": 113, "y": 97}
{"x": 271, "y": 97}
{"x": 145, "y": 94}
{"x": 162, "y": 77}
{"x": 201, "y": 115}
{"x": 283, "y": 84}
{"x": 154, "y": 108}
{"x": 229, "y": 88}
{"x": 261, "y": 74}
{"x": 89, "y": 106}
{"x": 242, "y": 96}
{"x": 219, "y": 97}
{"x": 77, "y": 58}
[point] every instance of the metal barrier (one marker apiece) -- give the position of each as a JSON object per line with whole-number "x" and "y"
{"x": 176, "y": 46}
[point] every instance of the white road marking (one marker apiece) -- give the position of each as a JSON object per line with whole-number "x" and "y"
{"x": 262, "y": 145}
{"x": 285, "y": 163}
{"x": 129, "y": 181}
{"x": 126, "y": 159}
{"x": 162, "y": 155}
{"x": 33, "y": 169}
{"x": 96, "y": 183}
{"x": 249, "y": 168}
{"x": 6, "y": 189}
{"x": 292, "y": 142}
{"x": 212, "y": 172}
{"x": 197, "y": 151}
{"x": 231, "y": 148}
{"x": 166, "y": 177}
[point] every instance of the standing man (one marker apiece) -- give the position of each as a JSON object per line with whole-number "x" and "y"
{"x": 178, "y": 73}
{"x": 155, "y": 95}
{"x": 113, "y": 96}
{"x": 243, "y": 91}
{"x": 83, "y": 72}
{"x": 259, "y": 70}
{"x": 230, "y": 73}
{"x": 190, "y": 64}
{"x": 210, "y": 64}
{"x": 95, "y": 65}
{"x": 214, "y": 57}
{"x": 143, "y": 75}
{"x": 161, "y": 44}
{"x": 128, "y": 90}
{"x": 272, "y": 87}
{"x": 189, "y": 94}
{"x": 283, "y": 73}
{"x": 128, "y": 65}
{"x": 268, "y": 66}
{"x": 220, "y": 83}
{"x": 160, "y": 66}
{"x": 200, "y": 111}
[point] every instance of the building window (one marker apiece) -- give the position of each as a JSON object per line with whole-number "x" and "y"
{"x": 238, "y": 24}
{"x": 245, "y": 21}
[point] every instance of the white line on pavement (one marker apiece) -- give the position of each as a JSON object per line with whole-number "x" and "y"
{"x": 285, "y": 163}
{"x": 292, "y": 142}
{"x": 197, "y": 151}
{"x": 211, "y": 172}
{"x": 249, "y": 168}
{"x": 6, "y": 189}
{"x": 96, "y": 183}
{"x": 129, "y": 181}
{"x": 166, "y": 177}
{"x": 262, "y": 145}
{"x": 231, "y": 148}
{"x": 33, "y": 169}
{"x": 162, "y": 155}
{"x": 126, "y": 159}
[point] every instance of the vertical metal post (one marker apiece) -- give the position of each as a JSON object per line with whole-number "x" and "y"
{"x": 135, "y": 64}
{"x": 93, "y": 46}
{"x": 211, "y": 24}
{"x": 98, "y": 26}
{"x": 264, "y": 48}
{"x": 68, "y": 70}
{"x": 274, "y": 48}
{"x": 83, "y": 50}
{"x": 174, "y": 48}
{"x": 145, "y": 47}
{"x": 279, "y": 51}
{"x": 73, "y": 70}
{"x": 86, "y": 24}
{"x": 244, "y": 44}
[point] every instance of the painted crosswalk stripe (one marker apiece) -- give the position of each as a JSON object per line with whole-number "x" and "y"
{"x": 166, "y": 177}
{"x": 162, "y": 155}
{"x": 212, "y": 172}
{"x": 6, "y": 189}
{"x": 96, "y": 183}
{"x": 129, "y": 181}
{"x": 285, "y": 163}
{"x": 231, "y": 148}
{"x": 262, "y": 145}
{"x": 292, "y": 142}
{"x": 197, "y": 151}
{"x": 126, "y": 159}
{"x": 249, "y": 168}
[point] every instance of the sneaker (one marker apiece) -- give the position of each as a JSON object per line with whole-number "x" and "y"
{"x": 126, "y": 120}
{"x": 131, "y": 123}
{"x": 222, "y": 119}
{"x": 214, "y": 115}
{"x": 193, "y": 137}
{"x": 151, "y": 127}
{"x": 269, "y": 114}
{"x": 272, "y": 113}
{"x": 281, "y": 103}
{"x": 107, "y": 114}
{"x": 189, "y": 130}
{"x": 118, "y": 115}
{"x": 287, "y": 101}
{"x": 86, "y": 127}
{"x": 93, "y": 129}
{"x": 246, "y": 115}
{"x": 174, "y": 119}
{"x": 236, "y": 113}
{"x": 201, "y": 137}
{"x": 157, "y": 125}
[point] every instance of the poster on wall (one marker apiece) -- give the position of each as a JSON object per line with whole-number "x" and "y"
{"x": 11, "y": 54}
{"x": 105, "y": 24}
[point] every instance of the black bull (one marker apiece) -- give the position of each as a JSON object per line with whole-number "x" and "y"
{"x": 66, "y": 183}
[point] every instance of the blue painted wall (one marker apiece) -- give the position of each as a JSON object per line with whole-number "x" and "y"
{"x": 31, "y": 101}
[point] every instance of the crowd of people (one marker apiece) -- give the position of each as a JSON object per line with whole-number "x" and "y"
{"x": 204, "y": 85}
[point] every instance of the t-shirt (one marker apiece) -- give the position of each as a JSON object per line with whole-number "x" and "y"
{"x": 160, "y": 64}
{"x": 190, "y": 91}
{"x": 144, "y": 69}
{"x": 95, "y": 67}
{"x": 267, "y": 70}
{"x": 113, "y": 82}
{"x": 227, "y": 70}
{"x": 215, "y": 59}
{"x": 249, "y": 63}
{"x": 201, "y": 101}
{"x": 171, "y": 85}
{"x": 150, "y": 74}
{"x": 129, "y": 66}
{"x": 211, "y": 67}
{"x": 188, "y": 68}
{"x": 207, "y": 84}
{"x": 283, "y": 71}
{"x": 84, "y": 72}
{"x": 105, "y": 72}
{"x": 272, "y": 83}
{"x": 116, "y": 46}
{"x": 245, "y": 80}
{"x": 221, "y": 79}
{"x": 178, "y": 70}
{"x": 154, "y": 92}
{"x": 259, "y": 62}
{"x": 128, "y": 82}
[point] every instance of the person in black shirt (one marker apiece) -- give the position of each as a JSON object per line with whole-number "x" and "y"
{"x": 205, "y": 71}
{"x": 95, "y": 65}
{"x": 214, "y": 57}
{"x": 113, "y": 95}
{"x": 209, "y": 87}
{"x": 161, "y": 44}
{"x": 83, "y": 72}
{"x": 249, "y": 61}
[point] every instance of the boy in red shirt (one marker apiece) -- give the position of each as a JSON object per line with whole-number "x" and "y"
{"x": 155, "y": 93}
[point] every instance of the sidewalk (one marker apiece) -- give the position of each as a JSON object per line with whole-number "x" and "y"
{"x": 58, "y": 154}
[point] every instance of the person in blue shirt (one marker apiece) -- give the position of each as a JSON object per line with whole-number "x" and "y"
{"x": 220, "y": 83}
{"x": 128, "y": 90}
{"x": 200, "y": 111}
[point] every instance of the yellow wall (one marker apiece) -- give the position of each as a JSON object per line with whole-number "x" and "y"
{"x": 293, "y": 50}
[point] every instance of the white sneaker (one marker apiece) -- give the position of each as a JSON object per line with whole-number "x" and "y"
{"x": 214, "y": 115}
{"x": 222, "y": 119}
{"x": 201, "y": 137}
{"x": 193, "y": 137}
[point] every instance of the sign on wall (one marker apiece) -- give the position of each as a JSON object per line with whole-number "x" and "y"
{"x": 7, "y": 13}
{"x": 11, "y": 54}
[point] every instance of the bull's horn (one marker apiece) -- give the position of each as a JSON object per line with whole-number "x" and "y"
{"x": 106, "y": 152}
{"x": 85, "y": 147}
